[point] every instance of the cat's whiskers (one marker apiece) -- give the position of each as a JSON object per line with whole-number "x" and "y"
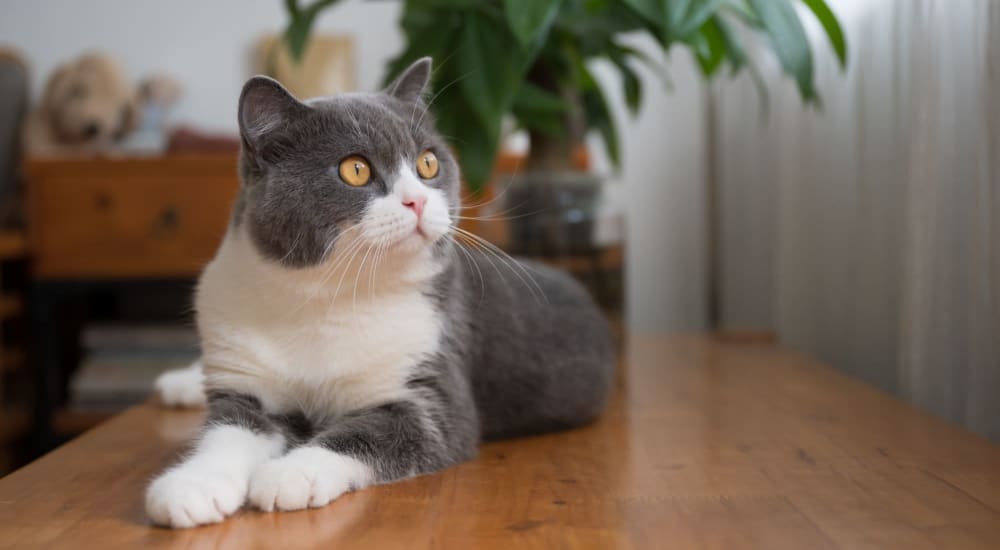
{"x": 346, "y": 270}
{"x": 357, "y": 275}
{"x": 506, "y": 259}
{"x": 380, "y": 252}
{"x": 327, "y": 271}
{"x": 291, "y": 249}
{"x": 343, "y": 274}
{"x": 353, "y": 247}
{"x": 488, "y": 257}
{"x": 499, "y": 216}
{"x": 506, "y": 187}
{"x": 351, "y": 250}
{"x": 251, "y": 283}
{"x": 467, "y": 257}
{"x": 427, "y": 107}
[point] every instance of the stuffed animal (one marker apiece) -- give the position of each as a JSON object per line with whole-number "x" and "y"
{"x": 89, "y": 107}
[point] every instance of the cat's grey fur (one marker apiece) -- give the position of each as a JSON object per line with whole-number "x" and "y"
{"x": 514, "y": 358}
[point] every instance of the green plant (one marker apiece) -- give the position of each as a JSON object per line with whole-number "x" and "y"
{"x": 529, "y": 59}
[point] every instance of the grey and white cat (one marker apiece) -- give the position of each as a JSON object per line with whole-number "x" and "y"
{"x": 347, "y": 338}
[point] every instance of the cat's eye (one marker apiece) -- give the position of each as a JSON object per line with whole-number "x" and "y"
{"x": 427, "y": 165}
{"x": 354, "y": 170}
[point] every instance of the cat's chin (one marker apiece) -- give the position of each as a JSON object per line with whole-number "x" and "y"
{"x": 413, "y": 243}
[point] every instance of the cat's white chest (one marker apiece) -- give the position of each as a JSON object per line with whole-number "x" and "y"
{"x": 312, "y": 354}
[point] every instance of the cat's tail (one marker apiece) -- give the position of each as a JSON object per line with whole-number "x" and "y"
{"x": 182, "y": 387}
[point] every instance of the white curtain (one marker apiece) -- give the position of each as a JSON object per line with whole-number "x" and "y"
{"x": 868, "y": 233}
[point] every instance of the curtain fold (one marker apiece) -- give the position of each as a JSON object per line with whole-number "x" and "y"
{"x": 868, "y": 233}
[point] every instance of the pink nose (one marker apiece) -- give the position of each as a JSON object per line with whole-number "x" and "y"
{"x": 416, "y": 204}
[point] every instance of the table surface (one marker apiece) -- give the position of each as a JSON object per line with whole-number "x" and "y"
{"x": 706, "y": 443}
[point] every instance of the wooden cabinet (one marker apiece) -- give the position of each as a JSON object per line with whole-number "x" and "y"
{"x": 128, "y": 218}
{"x": 102, "y": 224}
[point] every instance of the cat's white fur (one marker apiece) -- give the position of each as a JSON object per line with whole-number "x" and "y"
{"x": 212, "y": 482}
{"x": 182, "y": 387}
{"x": 322, "y": 340}
{"x": 306, "y": 477}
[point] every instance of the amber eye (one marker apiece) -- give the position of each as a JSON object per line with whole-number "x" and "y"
{"x": 427, "y": 165}
{"x": 354, "y": 171}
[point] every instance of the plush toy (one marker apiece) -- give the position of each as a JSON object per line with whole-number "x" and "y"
{"x": 89, "y": 107}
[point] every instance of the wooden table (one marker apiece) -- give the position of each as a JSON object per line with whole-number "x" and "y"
{"x": 706, "y": 444}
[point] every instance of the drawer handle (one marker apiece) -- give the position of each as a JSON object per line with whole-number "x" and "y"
{"x": 167, "y": 222}
{"x": 102, "y": 201}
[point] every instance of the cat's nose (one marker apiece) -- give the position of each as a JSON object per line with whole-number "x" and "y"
{"x": 416, "y": 204}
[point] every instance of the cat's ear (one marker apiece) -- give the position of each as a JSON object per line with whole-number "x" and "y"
{"x": 411, "y": 85}
{"x": 265, "y": 106}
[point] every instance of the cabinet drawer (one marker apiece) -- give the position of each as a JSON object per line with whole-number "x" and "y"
{"x": 134, "y": 222}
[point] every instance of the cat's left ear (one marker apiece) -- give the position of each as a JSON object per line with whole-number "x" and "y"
{"x": 411, "y": 85}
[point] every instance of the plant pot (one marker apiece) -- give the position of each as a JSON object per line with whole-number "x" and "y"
{"x": 567, "y": 220}
{"x": 552, "y": 214}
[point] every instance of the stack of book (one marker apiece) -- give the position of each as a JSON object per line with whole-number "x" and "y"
{"x": 121, "y": 362}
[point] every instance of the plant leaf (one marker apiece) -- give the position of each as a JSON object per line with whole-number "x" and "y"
{"x": 657, "y": 68}
{"x": 658, "y": 15}
{"x": 530, "y": 20}
{"x": 696, "y": 14}
{"x": 595, "y": 106}
{"x": 300, "y": 22}
{"x": 710, "y": 47}
{"x": 734, "y": 48}
{"x": 652, "y": 10}
{"x": 741, "y": 9}
{"x": 832, "y": 27}
{"x": 474, "y": 145}
{"x": 491, "y": 71}
{"x": 631, "y": 84}
{"x": 633, "y": 90}
{"x": 297, "y": 34}
{"x": 536, "y": 99}
{"x": 789, "y": 41}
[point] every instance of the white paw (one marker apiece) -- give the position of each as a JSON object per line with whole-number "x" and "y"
{"x": 182, "y": 387}
{"x": 190, "y": 496}
{"x": 307, "y": 477}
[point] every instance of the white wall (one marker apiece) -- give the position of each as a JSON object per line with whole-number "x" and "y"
{"x": 207, "y": 44}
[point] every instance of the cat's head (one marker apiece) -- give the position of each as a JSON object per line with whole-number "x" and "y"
{"x": 367, "y": 169}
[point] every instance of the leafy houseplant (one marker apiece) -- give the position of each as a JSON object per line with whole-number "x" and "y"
{"x": 529, "y": 59}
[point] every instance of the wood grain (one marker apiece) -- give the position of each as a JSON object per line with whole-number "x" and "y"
{"x": 706, "y": 444}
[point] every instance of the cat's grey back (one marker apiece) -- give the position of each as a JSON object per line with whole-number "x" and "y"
{"x": 538, "y": 353}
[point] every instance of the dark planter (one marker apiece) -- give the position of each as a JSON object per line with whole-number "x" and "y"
{"x": 559, "y": 218}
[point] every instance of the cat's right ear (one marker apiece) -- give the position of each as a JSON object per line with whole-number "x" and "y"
{"x": 265, "y": 106}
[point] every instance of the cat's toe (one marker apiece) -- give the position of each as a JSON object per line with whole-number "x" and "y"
{"x": 280, "y": 485}
{"x": 181, "y": 498}
{"x": 307, "y": 477}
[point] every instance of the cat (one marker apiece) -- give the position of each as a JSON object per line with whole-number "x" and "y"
{"x": 348, "y": 339}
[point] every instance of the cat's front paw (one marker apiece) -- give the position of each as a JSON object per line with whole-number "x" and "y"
{"x": 307, "y": 477}
{"x": 188, "y": 497}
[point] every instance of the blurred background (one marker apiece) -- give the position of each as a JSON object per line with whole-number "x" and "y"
{"x": 823, "y": 175}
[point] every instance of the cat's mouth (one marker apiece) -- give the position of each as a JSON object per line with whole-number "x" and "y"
{"x": 411, "y": 240}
